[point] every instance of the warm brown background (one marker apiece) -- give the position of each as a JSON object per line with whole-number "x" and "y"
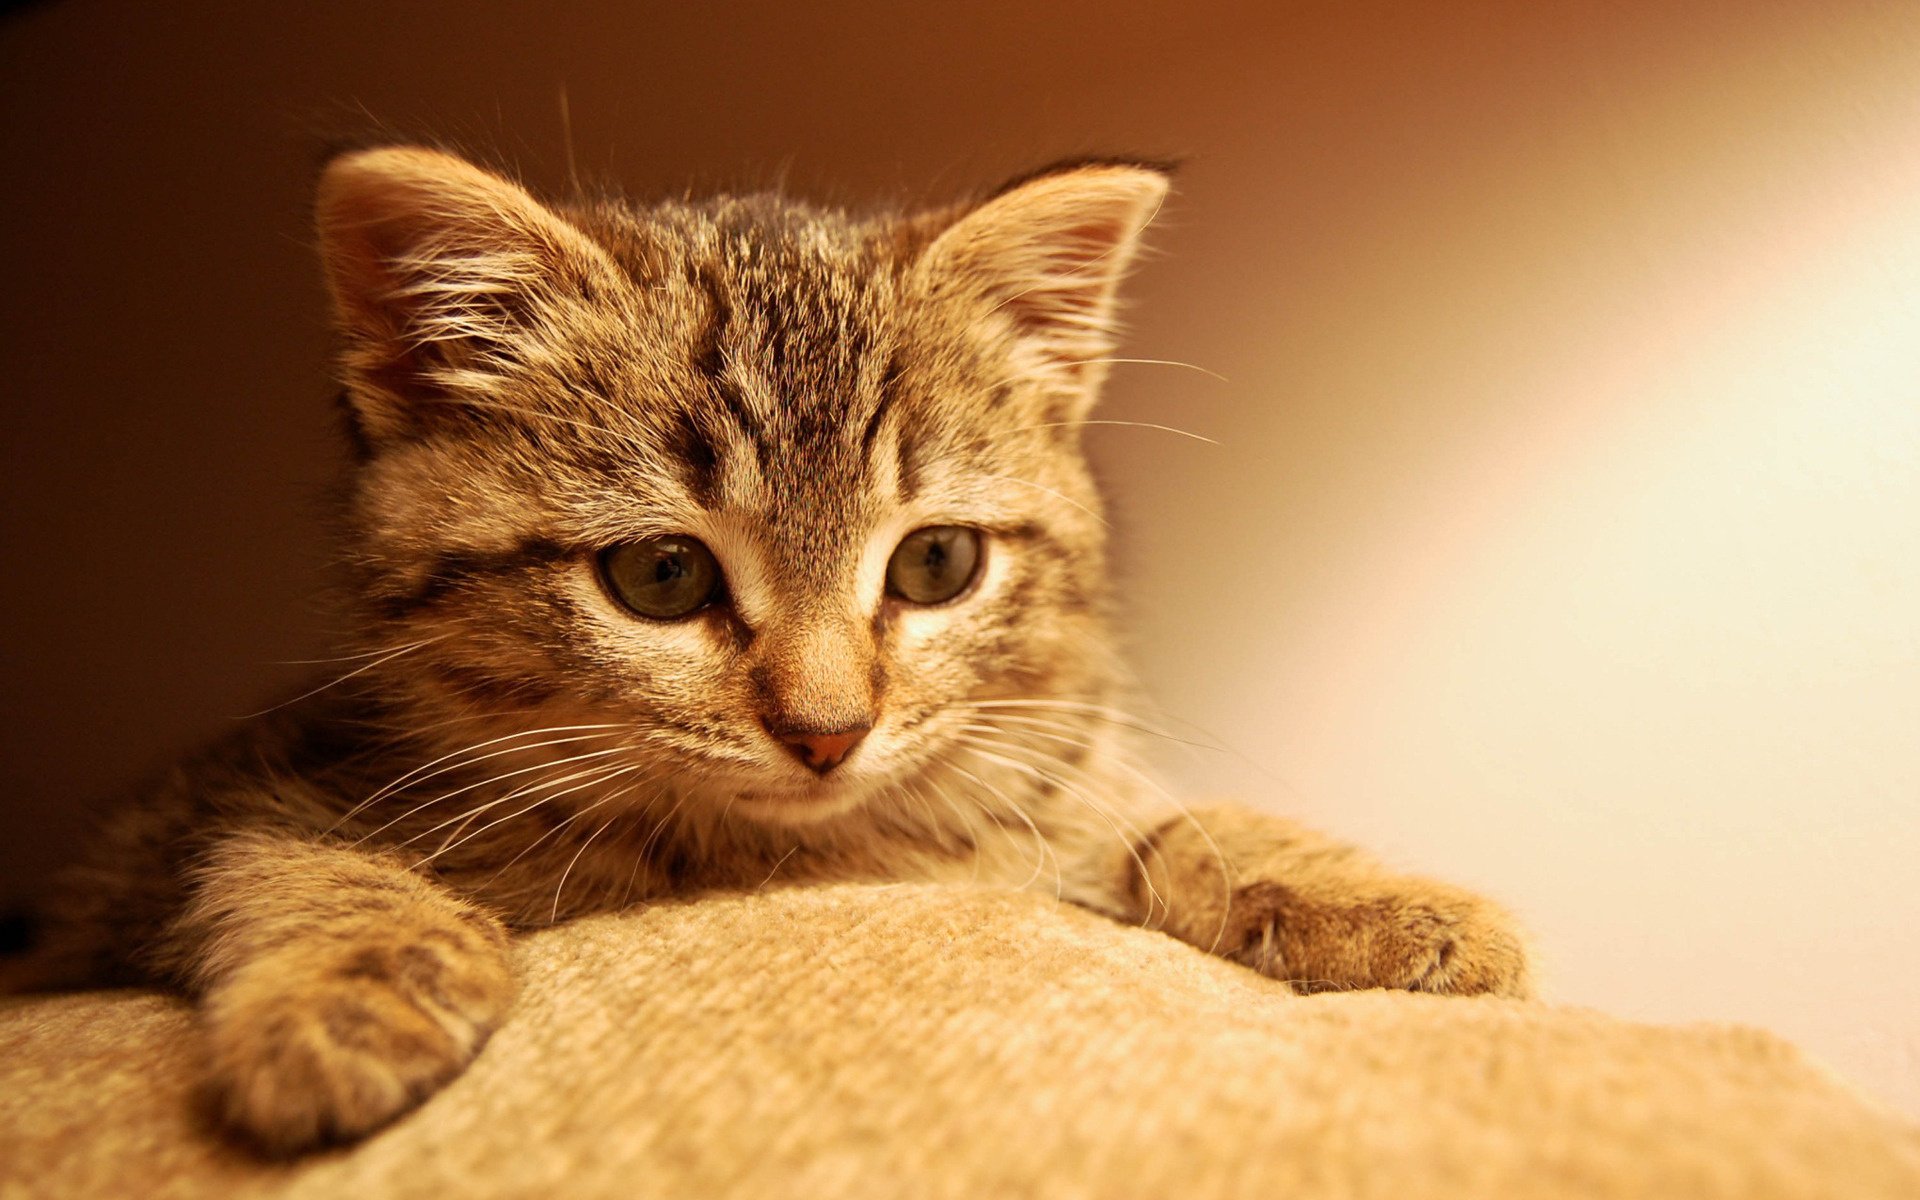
{"x": 1565, "y": 533}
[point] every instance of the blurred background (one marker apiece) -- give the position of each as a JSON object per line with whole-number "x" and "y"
{"x": 1562, "y": 536}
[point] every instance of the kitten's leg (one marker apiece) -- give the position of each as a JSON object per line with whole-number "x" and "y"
{"x": 1318, "y": 914}
{"x": 337, "y": 989}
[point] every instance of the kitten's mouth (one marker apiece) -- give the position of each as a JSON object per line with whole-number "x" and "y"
{"x": 798, "y": 795}
{"x": 805, "y": 805}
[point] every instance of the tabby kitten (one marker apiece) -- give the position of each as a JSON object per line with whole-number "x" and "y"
{"x": 695, "y": 546}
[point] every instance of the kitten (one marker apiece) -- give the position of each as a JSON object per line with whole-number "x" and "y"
{"x": 694, "y": 546}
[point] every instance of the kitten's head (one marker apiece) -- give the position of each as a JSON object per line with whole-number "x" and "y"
{"x": 776, "y": 492}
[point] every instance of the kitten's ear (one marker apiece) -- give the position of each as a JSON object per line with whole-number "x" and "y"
{"x": 1048, "y": 251}
{"x": 443, "y": 277}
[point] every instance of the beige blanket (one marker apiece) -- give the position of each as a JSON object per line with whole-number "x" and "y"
{"x": 917, "y": 1041}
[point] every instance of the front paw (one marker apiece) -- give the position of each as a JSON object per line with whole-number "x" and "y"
{"x": 1413, "y": 935}
{"x": 327, "y": 1042}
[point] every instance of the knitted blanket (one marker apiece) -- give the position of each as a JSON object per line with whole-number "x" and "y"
{"x": 928, "y": 1042}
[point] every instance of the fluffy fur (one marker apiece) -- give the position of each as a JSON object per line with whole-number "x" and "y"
{"x": 798, "y": 389}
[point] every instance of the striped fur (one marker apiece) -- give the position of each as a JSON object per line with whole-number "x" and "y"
{"x": 505, "y": 746}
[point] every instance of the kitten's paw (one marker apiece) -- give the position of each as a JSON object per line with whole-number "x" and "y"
{"x": 1423, "y": 937}
{"x": 1455, "y": 945}
{"x": 318, "y": 1044}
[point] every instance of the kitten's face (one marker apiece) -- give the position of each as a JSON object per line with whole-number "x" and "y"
{"x": 654, "y": 469}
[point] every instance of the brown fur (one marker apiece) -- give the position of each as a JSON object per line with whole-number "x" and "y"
{"x": 507, "y": 747}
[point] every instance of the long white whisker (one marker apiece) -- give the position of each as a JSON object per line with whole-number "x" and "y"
{"x": 1128, "y": 424}
{"x": 596, "y": 774}
{"x": 1043, "y": 849}
{"x": 451, "y": 845}
{"x": 1106, "y": 712}
{"x": 592, "y": 775}
{"x": 912, "y": 791}
{"x": 554, "y": 916}
{"x": 333, "y": 683}
{"x": 1130, "y": 837}
{"x": 1184, "y": 811}
{"x": 661, "y": 825}
{"x": 1040, "y": 487}
{"x": 639, "y": 859}
{"x": 484, "y": 781}
{"x": 923, "y": 793}
{"x": 412, "y": 728}
{"x": 315, "y": 662}
{"x": 415, "y": 773}
{"x": 531, "y": 846}
{"x": 1213, "y": 744}
{"x": 1152, "y": 362}
{"x": 776, "y": 867}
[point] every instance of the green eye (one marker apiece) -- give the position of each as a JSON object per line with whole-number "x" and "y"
{"x": 935, "y": 564}
{"x": 664, "y": 578}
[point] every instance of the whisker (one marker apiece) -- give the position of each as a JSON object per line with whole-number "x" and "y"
{"x": 776, "y": 867}
{"x": 979, "y": 746}
{"x": 1128, "y": 424}
{"x": 661, "y": 825}
{"x": 1108, "y": 713}
{"x": 450, "y": 846}
{"x": 387, "y": 657}
{"x": 1040, "y": 487}
{"x": 923, "y": 790}
{"x": 487, "y": 780}
{"x": 415, "y": 776}
{"x": 554, "y": 916}
{"x": 412, "y": 729}
{"x": 1044, "y": 849}
{"x": 1214, "y": 744}
{"x": 531, "y": 846}
{"x": 1185, "y": 813}
{"x": 921, "y": 797}
{"x": 313, "y": 662}
{"x": 1152, "y": 362}
{"x": 639, "y": 860}
{"x": 593, "y": 774}
{"x": 598, "y": 773}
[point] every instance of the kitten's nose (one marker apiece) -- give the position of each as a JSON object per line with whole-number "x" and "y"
{"x": 820, "y": 751}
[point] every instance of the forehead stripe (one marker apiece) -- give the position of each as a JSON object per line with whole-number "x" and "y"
{"x": 697, "y": 456}
{"x": 888, "y": 392}
{"x": 710, "y": 360}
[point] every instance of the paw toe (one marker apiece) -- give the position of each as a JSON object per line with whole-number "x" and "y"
{"x": 1466, "y": 953}
{"x": 303, "y": 1061}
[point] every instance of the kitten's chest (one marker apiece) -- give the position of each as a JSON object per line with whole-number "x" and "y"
{"x": 574, "y": 868}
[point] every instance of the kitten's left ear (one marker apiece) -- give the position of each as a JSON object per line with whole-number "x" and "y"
{"x": 1048, "y": 251}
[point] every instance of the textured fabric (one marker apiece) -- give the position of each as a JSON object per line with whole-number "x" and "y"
{"x": 920, "y": 1041}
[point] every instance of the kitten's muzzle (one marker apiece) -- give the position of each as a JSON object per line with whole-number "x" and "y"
{"x": 819, "y": 751}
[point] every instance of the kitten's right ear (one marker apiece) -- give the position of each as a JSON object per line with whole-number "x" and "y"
{"x": 440, "y": 274}
{"x": 1046, "y": 253}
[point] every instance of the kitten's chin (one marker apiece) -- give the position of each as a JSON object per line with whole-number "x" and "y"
{"x": 798, "y": 806}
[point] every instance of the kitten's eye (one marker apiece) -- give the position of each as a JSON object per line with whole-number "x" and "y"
{"x": 935, "y": 564}
{"x": 664, "y": 578}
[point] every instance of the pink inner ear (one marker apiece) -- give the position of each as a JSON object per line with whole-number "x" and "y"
{"x": 404, "y": 229}
{"x": 372, "y": 287}
{"x": 435, "y": 267}
{"x": 1063, "y": 303}
{"x": 1048, "y": 252}
{"x": 1075, "y": 289}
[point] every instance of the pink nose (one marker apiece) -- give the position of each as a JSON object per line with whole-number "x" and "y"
{"x": 821, "y": 752}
